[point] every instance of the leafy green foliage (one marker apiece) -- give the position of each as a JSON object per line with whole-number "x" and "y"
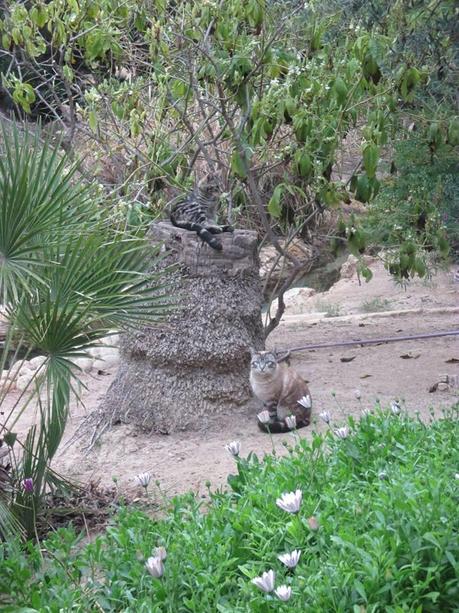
{"x": 234, "y": 84}
{"x": 385, "y": 500}
{"x": 69, "y": 276}
{"x": 417, "y": 211}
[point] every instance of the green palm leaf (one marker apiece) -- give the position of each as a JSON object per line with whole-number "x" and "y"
{"x": 68, "y": 277}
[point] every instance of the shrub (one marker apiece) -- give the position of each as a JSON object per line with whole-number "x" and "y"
{"x": 377, "y": 530}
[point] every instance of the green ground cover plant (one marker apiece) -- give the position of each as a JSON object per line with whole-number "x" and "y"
{"x": 375, "y": 522}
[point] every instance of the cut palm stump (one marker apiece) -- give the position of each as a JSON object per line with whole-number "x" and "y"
{"x": 195, "y": 364}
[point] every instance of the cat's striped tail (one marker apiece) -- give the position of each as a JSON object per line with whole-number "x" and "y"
{"x": 203, "y": 234}
{"x": 276, "y": 427}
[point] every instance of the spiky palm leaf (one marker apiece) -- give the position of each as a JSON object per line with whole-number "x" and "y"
{"x": 39, "y": 204}
{"x": 68, "y": 280}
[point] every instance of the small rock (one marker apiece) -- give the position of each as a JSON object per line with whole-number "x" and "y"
{"x": 443, "y": 378}
{"x": 26, "y": 370}
{"x": 36, "y": 362}
{"x": 84, "y": 363}
{"x": 100, "y": 365}
{"x": 23, "y": 382}
{"x": 14, "y": 370}
{"x": 442, "y": 387}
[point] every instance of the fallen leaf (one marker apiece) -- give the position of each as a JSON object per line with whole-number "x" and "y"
{"x": 365, "y": 376}
{"x": 452, "y": 361}
{"x": 349, "y": 359}
{"x": 433, "y": 388}
{"x": 410, "y": 356}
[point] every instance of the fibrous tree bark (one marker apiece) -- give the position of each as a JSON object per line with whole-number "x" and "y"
{"x": 195, "y": 364}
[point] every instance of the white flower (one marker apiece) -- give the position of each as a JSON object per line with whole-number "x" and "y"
{"x": 234, "y": 447}
{"x": 382, "y": 475}
{"x": 263, "y": 417}
{"x": 342, "y": 432}
{"x": 325, "y": 416}
{"x": 357, "y": 394}
{"x": 456, "y": 476}
{"x": 283, "y": 592}
{"x": 160, "y": 552}
{"x": 290, "y": 559}
{"x": 305, "y": 402}
{"x": 290, "y": 502}
{"x": 395, "y": 407}
{"x": 155, "y": 566}
{"x": 290, "y": 420}
{"x": 143, "y": 479}
{"x": 266, "y": 581}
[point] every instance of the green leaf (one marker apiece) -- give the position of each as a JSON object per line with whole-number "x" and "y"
{"x": 370, "y": 159}
{"x": 92, "y": 119}
{"x": 341, "y": 91}
{"x": 238, "y": 164}
{"x": 274, "y": 207}
{"x": 363, "y": 189}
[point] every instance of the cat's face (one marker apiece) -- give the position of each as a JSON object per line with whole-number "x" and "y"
{"x": 263, "y": 362}
{"x": 209, "y": 185}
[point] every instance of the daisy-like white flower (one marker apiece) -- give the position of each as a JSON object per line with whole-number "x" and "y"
{"x": 160, "y": 552}
{"x": 357, "y": 394}
{"x": 283, "y": 592}
{"x": 325, "y": 416}
{"x": 382, "y": 475}
{"x": 290, "y": 420}
{"x": 290, "y": 501}
{"x": 266, "y": 581}
{"x": 290, "y": 559}
{"x": 305, "y": 402}
{"x": 395, "y": 407}
{"x": 234, "y": 447}
{"x": 143, "y": 479}
{"x": 342, "y": 432}
{"x": 456, "y": 476}
{"x": 263, "y": 417}
{"x": 155, "y": 566}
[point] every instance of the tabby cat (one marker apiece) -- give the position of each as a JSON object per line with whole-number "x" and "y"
{"x": 198, "y": 212}
{"x": 280, "y": 388}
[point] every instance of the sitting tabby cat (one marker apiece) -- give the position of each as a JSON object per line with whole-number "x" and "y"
{"x": 280, "y": 388}
{"x": 198, "y": 211}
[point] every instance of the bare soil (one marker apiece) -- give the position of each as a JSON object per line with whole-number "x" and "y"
{"x": 185, "y": 461}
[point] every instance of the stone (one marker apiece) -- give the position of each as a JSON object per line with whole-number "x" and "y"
{"x": 349, "y": 268}
{"x": 296, "y": 301}
{"x": 95, "y": 352}
{"x": 443, "y": 378}
{"x": 443, "y": 387}
{"x": 273, "y": 268}
{"x": 194, "y": 364}
{"x": 23, "y": 382}
{"x": 36, "y": 362}
{"x": 84, "y": 363}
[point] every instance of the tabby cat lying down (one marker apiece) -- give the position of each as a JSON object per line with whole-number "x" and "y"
{"x": 280, "y": 388}
{"x": 197, "y": 211}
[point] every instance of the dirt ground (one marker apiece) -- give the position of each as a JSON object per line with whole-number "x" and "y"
{"x": 186, "y": 461}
